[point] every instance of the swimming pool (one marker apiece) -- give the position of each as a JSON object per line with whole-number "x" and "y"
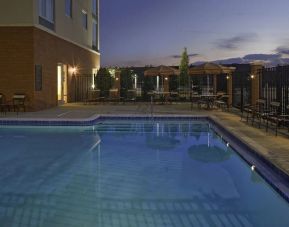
{"x": 130, "y": 173}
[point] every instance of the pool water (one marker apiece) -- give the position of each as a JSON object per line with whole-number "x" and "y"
{"x": 130, "y": 173}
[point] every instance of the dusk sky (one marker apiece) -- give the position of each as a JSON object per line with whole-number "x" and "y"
{"x": 154, "y": 32}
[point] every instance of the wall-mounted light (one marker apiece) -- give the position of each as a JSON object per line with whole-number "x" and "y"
{"x": 252, "y": 76}
{"x": 227, "y": 77}
{"x": 116, "y": 78}
{"x": 166, "y": 78}
{"x": 93, "y": 86}
{"x": 73, "y": 70}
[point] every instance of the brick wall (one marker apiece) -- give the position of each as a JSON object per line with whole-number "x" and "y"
{"x": 49, "y": 52}
{"x": 16, "y": 62}
{"x": 24, "y": 47}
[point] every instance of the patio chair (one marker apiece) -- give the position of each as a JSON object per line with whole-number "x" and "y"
{"x": 273, "y": 116}
{"x": 93, "y": 96}
{"x": 18, "y": 102}
{"x": 222, "y": 101}
{"x": 259, "y": 111}
{"x": 283, "y": 120}
{"x": 3, "y": 106}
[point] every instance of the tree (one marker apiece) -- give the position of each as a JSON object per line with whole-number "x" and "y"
{"x": 184, "y": 70}
{"x": 126, "y": 81}
{"x": 104, "y": 81}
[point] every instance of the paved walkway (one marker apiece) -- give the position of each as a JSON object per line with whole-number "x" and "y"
{"x": 275, "y": 149}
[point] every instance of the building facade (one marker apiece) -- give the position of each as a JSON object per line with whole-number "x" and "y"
{"x": 44, "y": 45}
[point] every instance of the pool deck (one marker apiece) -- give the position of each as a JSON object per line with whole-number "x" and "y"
{"x": 275, "y": 149}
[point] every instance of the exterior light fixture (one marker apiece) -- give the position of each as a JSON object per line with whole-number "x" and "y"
{"x": 116, "y": 78}
{"x": 73, "y": 70}
{"x": 252, "y": 76}
{"x": 93, "y": 86}
{"x": 166, "y": 78}
{"x": 227, "y": 77}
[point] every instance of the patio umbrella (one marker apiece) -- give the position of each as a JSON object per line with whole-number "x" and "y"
{"x": 163, "y": 71}
{"x": 210, "y": 69}
{"x": 207, "y": 154}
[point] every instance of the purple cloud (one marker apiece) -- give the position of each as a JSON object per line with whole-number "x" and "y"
{"x": 236, "y": 42}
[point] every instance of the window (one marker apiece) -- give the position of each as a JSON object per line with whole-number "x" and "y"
{"x": 68, "y": 8}
{"x": 84, "y": 19}
{"x": 94, "y": 7}
{"x": 46, "y": 13}
{"x": 46, "y": 10}
{"x": 38, "y": 77}
{"x": 94, "y": 36}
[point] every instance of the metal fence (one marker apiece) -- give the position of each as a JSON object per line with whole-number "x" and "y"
{"x": 274, "y": 86}
{"x": 241, "y": 91}
{"x": 80, "y": 86}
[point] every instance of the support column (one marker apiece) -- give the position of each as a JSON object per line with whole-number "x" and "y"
{"x": 116, "y": 84}
{"x": 230, "y": 89}
{"x": 166, "y": 84}
{"x": 215, "y": 84}
{"x": 255, "y": 82}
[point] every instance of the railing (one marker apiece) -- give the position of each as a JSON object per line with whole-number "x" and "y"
{"x": 274, "y": 86}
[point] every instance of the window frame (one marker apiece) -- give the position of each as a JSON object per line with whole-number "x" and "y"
{"x": 68, "y": 14}
{"x": 46, "y": 18}
{"x": 94, "y": 7}
{"x": 94, "y": 34}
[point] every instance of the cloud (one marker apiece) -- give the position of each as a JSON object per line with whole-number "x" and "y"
{"x": 190, "y": 56}
{"x": 235, "y": 42}
{"x": 261, "y": 57}
{"x": 282, "y": 50}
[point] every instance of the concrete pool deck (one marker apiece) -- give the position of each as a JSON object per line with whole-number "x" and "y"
{"x": 275, "y": 149}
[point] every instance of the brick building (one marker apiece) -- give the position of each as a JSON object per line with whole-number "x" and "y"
{"x": 44, "y": 44}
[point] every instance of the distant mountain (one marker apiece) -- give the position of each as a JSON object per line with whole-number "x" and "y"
{"x": 268, "y": 60}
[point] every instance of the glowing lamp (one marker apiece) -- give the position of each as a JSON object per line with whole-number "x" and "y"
{"x": 73, "y": 70}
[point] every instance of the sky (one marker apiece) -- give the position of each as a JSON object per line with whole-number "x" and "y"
{"x": 155, "y": 32}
